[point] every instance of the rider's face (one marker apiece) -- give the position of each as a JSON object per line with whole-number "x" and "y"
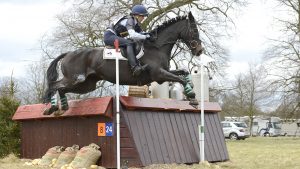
{"x": 140, "y": 18}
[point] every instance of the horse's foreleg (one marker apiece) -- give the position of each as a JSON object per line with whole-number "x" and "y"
{"x": 185, "y": 80}
{"x": 179, "y": 72}
{"x": 162, "y": 75}
{"x": 182, "y": 77}
{"x": 185, "y": 74}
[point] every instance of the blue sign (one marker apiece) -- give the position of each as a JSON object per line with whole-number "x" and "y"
{"x": 109, "y": 129}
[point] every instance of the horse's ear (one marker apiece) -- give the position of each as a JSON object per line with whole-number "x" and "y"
{"x": 191, "y": 17}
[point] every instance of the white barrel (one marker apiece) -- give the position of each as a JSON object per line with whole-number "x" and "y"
{"x": 176, "y": 91}
{"x": 160, "y": 91}
{"x": 196, "y": 79}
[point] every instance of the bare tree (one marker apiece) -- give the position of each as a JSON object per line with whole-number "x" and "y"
{"x": 33, "y": 86}
{"x": 9, "y": 86}
{"x": 249, "y": 95}
{"x": 283, "y": 54}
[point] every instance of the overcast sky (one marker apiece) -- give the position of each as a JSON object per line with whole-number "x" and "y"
{"x": 23, "y": 22}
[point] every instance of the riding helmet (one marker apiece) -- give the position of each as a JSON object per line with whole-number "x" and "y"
{"x": 139, "y": 10}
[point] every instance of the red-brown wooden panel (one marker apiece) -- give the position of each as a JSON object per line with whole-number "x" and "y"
{"x": 85, "y": 107}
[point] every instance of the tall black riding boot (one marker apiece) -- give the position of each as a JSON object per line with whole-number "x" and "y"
{"x": 135, "y": 68}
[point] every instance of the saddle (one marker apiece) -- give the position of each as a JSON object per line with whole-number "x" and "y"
{"x": 109, "y": 52}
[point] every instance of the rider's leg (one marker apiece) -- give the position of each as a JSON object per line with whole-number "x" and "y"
{"x": 135, "y": 67}
{"x": 109, "y": 39}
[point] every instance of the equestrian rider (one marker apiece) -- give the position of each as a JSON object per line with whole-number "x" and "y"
{"x": 127, "y": 30}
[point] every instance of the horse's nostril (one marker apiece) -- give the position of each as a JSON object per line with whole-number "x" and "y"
{"x": 199, "y": 52}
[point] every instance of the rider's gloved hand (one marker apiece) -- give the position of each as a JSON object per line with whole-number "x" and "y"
{"x": 150, "y": 37}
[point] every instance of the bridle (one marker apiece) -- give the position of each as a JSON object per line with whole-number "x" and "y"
{"x": 191, "y": 33}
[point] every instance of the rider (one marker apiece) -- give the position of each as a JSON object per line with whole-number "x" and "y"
{"x": 127, "y": 30}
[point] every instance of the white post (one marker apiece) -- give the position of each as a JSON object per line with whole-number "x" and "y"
{"x": 201, "y": 127}
{"x": 118, "y": 109}
{"x": 204, "y": 60}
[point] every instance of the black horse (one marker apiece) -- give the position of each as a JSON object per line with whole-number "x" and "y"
{"x": 83, "y": 68}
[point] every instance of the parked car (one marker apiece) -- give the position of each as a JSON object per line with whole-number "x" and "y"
{"x": 235, "y": 130}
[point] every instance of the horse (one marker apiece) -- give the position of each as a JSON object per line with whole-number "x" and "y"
{"x": 83, "y": 68}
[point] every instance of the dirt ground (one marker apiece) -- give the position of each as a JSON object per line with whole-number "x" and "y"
{"x": 252, "y": 153}
{"x": 13, "y": 162}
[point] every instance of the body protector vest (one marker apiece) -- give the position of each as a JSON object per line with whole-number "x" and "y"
{"x": 125, "y": 23}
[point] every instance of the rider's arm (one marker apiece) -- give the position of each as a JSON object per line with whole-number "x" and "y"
{"x": 132, "y": 33}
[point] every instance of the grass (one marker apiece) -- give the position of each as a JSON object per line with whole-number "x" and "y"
{"x": 263, "y": 153}
{"x": 252, "y": 153}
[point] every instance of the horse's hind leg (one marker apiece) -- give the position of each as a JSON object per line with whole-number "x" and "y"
{"x": 62, "y": 93}
{"x": 63, "y": 101}
{"x": 53, "y": 100}
{"x": 54, "y": 106}
{"x": 86, "y": 86}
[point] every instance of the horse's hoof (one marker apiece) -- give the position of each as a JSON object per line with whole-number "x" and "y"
{"x": 59, "y": 113}
{"x": 50, "y": 110}
{"x": 194, "y": 102}
{"x": 64, "y": 107}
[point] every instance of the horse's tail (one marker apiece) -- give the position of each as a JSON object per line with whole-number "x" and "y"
{"x": 52, "y": 75}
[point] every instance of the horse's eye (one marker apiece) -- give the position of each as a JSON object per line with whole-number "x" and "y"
{"x": 194, "y": 44}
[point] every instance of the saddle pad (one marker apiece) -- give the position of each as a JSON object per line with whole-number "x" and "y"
{"x": 112, "y": 54}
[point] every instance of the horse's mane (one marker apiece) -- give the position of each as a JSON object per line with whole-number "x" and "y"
{"x": 168, "y": 23}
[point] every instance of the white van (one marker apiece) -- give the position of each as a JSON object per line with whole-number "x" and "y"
{"x": 266, "y": 126}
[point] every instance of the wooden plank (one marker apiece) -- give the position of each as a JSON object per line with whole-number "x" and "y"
{"x": 139, "y": 138}
{"x": 177, "y": 138}
{"x": 153, "y": 122}
{"x": 172, "y": 140}
{"x": 134, "y": 103}
{"x": 209, "y": 136}
{"x": 169, "y": 157}
{"x": 124, "y": 132}
{"x": 183, "y": 139}
{"x": 193, "y": 128}
{"x": 161, "y": 144}
{"x": 128, "y": 152}
{"x": 149, "y": 129}
{"x": 128, "y": 142}
{"x": 189, "y": 137}
{"x": 196, "y": 122}
{"x": 217, "y": 147}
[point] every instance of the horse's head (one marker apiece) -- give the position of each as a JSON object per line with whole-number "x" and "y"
{"x": 183, "y": 28}
{"x": 191, "y": 36}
